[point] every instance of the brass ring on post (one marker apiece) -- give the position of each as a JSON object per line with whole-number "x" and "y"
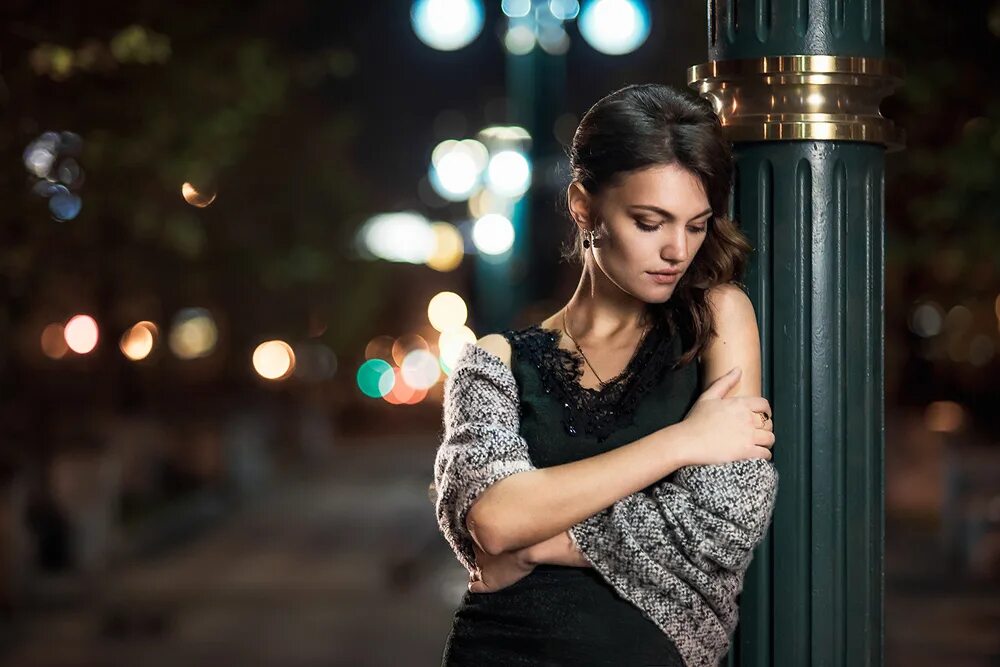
{"x": 783, "y": 98}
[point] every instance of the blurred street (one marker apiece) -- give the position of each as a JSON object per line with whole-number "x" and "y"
{"x": 329, "y": 570}
{"x": 325, "y": 570}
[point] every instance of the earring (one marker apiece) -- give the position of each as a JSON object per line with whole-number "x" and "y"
{"x": 589, "y": 239}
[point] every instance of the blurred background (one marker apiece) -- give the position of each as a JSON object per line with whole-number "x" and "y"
{"x": 242, "y": 242}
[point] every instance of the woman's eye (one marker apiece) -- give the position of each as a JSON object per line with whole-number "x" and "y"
{"x": 697, "y": 230}
{"x": 646, "y": 228}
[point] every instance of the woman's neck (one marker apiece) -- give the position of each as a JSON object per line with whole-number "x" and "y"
{"x": 599, "y": 310}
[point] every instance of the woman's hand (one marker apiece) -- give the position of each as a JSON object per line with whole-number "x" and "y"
{"x": 498, "y": 572}
{"x": 721, "y": 430}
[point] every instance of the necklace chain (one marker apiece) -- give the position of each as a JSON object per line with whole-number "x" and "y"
{"x": 580, "y": 350}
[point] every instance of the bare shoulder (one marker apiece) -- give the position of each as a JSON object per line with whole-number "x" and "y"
{"x": 731, "y": 305}
{"x": 497, "y": 345}
{"x": 736, "y": 341}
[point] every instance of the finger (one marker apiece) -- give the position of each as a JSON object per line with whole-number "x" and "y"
{"x": 757, "y": 404}
{"x": 724, "y": 384}
{"x": 763, "y": 438}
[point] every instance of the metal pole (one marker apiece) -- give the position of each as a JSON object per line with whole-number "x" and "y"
{"x": 797, "y": 84}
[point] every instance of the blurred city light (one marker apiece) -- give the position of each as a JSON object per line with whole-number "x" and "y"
{"x": 196, "y": 197}
{"x": 63, "y": 204}
{"x": 274, "y": 360}
{"x": 944, "y": 416}
{"x": 926, "y": 319}
{"x": 516, "y": 8}
{"x": 493, "y": 234}
{"x": 193, "y": 333}
{"x": 614, "y": 27}
{"x": 54, "y": 341}
{"x": 487, "y": 201}
{"x": 450, "y": 345}
{"x": 509, "y": 173}
{"x": 456, "y": 168}
{"x": 553, "y": 39}
{"x": 380, "y": 347}
{"x": 375, "y": 378}
{"x": 449, "y": 248}
{"x": 403, "y": 345}
{"x": 399, "y": 237}
{"x": 447, "y": 310}
{"x": 137, "y": 342}
{"x": 564, "y": 10}
{"x": 447, "y": 25}
{"x": 519, "y": 39}
{"x": 420, "y": 369}
{"x": 81, "y": 334}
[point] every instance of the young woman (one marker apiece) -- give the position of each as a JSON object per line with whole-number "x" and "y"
{"x": 625, "y": 384}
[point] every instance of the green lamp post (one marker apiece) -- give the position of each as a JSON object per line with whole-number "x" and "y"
{"x": 797, "y": 84}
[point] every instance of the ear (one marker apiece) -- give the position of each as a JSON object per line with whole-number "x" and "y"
{"x": 579, "y": 201}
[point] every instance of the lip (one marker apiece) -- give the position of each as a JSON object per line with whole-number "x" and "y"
{"x": 664, "y": 277}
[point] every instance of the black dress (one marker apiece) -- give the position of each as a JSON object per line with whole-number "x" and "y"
{"x": 569, "y": 616}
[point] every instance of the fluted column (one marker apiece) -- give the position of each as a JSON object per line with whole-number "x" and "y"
{"x": 797, "y": 84}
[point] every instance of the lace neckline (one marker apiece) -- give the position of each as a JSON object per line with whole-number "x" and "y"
{"x": 596, "y": 411}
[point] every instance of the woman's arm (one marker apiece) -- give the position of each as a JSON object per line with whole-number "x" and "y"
{"x": 736, "y": 341}
{"x": 557, "y": 550}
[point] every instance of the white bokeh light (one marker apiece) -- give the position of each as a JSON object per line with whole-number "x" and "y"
{"x": 614, "y": 27}
{"x": 509, "y": 173}
{"x": 493, "y": 234}
{"x": 457, "y": 167}
{"x": 399, "y": 237}
{"x": 420, "y": 369}
{"x": 447, "y": 25}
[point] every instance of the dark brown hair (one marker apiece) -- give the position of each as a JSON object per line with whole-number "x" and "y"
{"x": 645, "y": 125}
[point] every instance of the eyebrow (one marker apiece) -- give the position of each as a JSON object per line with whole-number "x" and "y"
{"x": 667, "y": 214}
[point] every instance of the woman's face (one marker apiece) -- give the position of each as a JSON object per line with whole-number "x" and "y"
{"x": 654, "y": 220}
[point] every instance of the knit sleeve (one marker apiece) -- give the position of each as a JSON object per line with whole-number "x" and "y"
{"x": 481, "y": 443}
{"x": 680, "y": 549}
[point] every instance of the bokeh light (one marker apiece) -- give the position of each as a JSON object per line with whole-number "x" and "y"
{"x": 519, "y": 39}
{"x": 420, "y": 369}
{"x": 456, "y": 168}
{"x": 399, "y": 237}
{"x": 509, "y": 173}
{"x": 81, "y": 334}
{"x": 564, "y": 10}
{"x": 493, "y": 234}
{"x": 516, "y": 8}
{"x": 926, "y": 319}
{"x": 138, "y": 340}
{"x": 63, "y": 204}
{"x": 451, "y": 343}
{"x": 403, "y": 345}
{"x": 193, "y": 333}
{"x": 447, "y": 25}
{"x": 274, "y": 360}
{"x": 380, "y": 347}
{"x": 614, "y": 27}
{"x": 196, "y": 197}
{"x": 376, "y": 378}
{"x": 944, "y": 416}
{"x": 54, "y": 341}
{"x": 447, "y": 310}
{"x": 449, "y": 247}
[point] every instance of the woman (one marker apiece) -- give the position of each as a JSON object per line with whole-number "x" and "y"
{"x": 624, "y": 385}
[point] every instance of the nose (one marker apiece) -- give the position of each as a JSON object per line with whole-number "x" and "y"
{"x": 675, "y": 249}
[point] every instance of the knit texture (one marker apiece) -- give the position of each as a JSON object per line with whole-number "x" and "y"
{"x": 677, "y": 550}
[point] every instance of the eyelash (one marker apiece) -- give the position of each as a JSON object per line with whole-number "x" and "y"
{"x": 647, "y": 228}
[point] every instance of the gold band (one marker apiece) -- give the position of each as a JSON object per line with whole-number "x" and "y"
{"x": 799, "y": 97}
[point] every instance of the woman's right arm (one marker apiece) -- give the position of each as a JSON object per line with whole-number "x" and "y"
{"x": 530, "y": 507}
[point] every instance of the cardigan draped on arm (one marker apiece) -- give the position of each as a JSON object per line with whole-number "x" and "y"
{"x": 678, "y": 550}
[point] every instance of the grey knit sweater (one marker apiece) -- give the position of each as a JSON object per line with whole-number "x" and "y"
{"x": 677, "y": 550}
